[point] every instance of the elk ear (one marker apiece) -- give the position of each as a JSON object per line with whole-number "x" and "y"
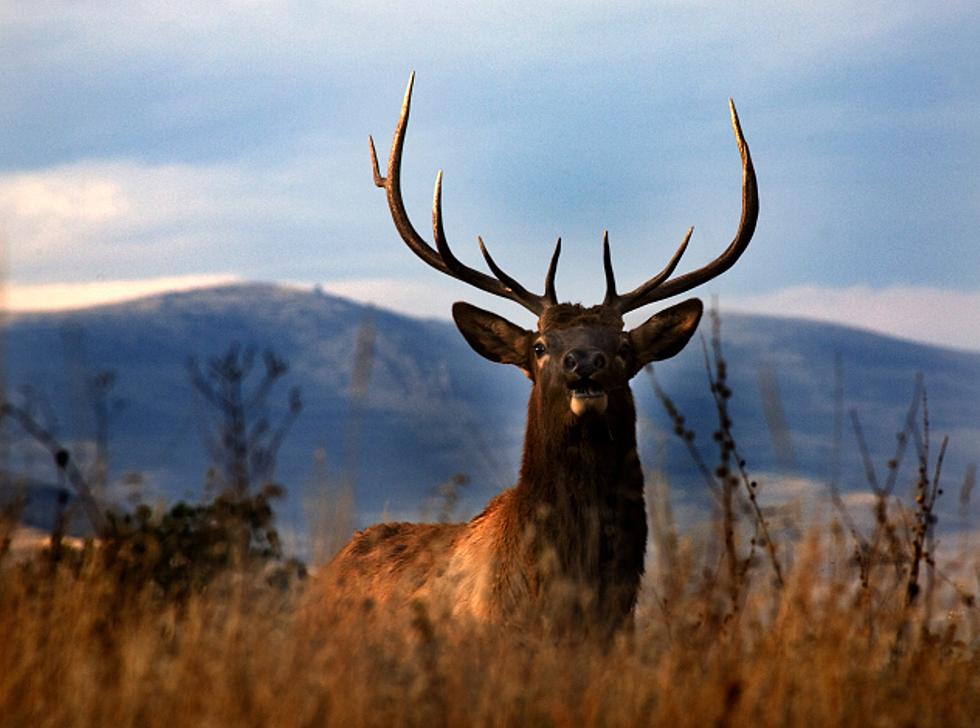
{"x": 666, "y": 333}
{"x": 491, "y": 335}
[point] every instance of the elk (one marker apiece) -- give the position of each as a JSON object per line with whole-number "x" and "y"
{"x": 566, "y": 544}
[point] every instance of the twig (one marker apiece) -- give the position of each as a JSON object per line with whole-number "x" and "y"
{"x": 722, "y": 393}
{"x": 62, "y": 459}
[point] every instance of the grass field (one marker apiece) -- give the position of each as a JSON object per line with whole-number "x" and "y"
{"x": 79, "y": 645}
{"x": 192, "y": 617}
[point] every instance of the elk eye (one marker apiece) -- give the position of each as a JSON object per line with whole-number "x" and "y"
{"x": 539, "y": 349}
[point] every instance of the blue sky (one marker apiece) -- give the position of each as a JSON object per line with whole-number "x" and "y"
{"x": 149, "y": 146}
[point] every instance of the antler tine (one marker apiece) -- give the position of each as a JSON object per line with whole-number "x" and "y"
{"x": 531, "y": 301}
{"x": 611, "y": 296}
{"x": 551, "y": 297}
{"x": 454, "y": 266}
{"x": 504, "y": 285}
{"x": 392, "y": 185}
{"x": 659, "y": 287}
{"x": 441, "y": 258}
{"x": 379, "y": 181}
{"x": 640, "y": 295}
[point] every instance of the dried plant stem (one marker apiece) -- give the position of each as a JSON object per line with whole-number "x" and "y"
{"x": 62, "y": 459}
{"x": 926, "y": 494}
{"x": 729, "y": 450}
{"x": 686, "y": 435}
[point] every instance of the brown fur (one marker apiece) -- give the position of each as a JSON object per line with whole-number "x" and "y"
{"x": 565, "y": 546}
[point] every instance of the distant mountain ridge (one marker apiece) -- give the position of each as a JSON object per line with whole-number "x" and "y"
{"x": 434, "y": 408}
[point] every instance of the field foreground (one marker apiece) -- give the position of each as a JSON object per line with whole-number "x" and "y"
{"x": 81, "y": 645}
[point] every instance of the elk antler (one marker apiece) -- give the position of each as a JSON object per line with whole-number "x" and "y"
{"x": 442, "y": 258}
{"x": 659, "y": 287}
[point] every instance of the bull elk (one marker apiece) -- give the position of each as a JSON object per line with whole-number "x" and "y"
{"x": 566, "y": 544}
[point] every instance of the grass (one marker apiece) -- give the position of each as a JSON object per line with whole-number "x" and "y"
{"x": 79, "y": 646}
{"x": 165, "y": 623}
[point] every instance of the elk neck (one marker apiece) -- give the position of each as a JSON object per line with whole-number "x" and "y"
{"x": 581, "y": 485}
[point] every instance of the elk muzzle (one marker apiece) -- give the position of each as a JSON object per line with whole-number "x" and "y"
{"x": 586, "y": 394}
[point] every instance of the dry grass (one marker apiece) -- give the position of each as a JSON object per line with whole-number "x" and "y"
{"x": 829, "y": 629}
{"x": 77, "y": 647}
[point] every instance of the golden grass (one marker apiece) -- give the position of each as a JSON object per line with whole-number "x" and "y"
{"x": 79, "y": 648}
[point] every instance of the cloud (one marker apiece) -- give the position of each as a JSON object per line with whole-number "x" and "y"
{"x": 65, "y": 296}
{"x": 86, "y": 213}
{"x": 929, "y": 315}
{"x": 148, "y": 140}
{"x": 35, "y": 197}
{"x": 932, "y": 315}
{"x": 212, "y": 37}
{"x": 130, "y": 219}
{"x": 423, "y": 299}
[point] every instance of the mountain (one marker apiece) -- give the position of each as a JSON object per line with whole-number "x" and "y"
{"x": 433, "y": 408}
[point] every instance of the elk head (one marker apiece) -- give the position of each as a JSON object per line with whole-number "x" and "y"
{"x": 580, "y": 359}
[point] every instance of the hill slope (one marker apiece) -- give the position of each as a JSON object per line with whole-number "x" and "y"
{"x": 434, "y": 408}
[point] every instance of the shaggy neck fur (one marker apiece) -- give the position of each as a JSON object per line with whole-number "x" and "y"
{"x": 580, "y": 504}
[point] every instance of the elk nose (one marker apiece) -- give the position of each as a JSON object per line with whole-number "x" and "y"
{"x": 584, "y": 362}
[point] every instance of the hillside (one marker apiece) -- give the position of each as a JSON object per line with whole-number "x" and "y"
{"x": 434, "y": 408}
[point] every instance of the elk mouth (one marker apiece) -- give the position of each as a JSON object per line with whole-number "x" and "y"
{"x": 587, "y": 395}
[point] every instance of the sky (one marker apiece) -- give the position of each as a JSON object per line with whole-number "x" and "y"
{"x": 152, "y": 146}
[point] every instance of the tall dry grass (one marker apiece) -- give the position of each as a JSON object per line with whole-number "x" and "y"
{"x": 835, "y": 627}
{"x": 80, "y": 647}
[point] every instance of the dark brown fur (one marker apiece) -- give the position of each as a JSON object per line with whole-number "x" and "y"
{"x": 566, "y": 544}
